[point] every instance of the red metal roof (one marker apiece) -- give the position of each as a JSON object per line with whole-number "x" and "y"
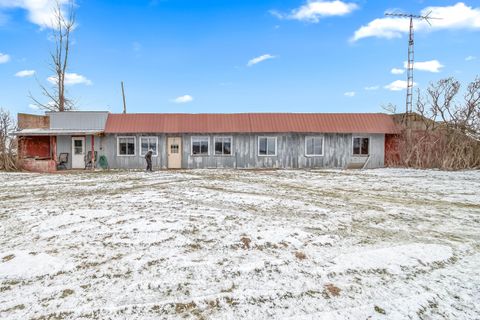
{"x": 251, "y": 123}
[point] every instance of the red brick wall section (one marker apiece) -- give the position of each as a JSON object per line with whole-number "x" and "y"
{"x": 32, "y": 121}
{"x": 33, "y": 165}
{"x": 34, "y": 147}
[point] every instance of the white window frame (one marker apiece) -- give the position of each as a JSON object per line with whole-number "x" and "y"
{"x": 323, "y": 146}
{"x": 208, "y": 146}
{"x": 258, "y": 146}
{"x": 140, "y": 145}
{"x": 134, "y": 146}
{"x": 353, "y": 146}
{"x": 231, "y": 146}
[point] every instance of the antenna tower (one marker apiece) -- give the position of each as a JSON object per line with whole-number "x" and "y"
{"x": 411, "y": 54}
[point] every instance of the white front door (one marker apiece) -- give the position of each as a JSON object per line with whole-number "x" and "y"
{"x": 78, "y": 152}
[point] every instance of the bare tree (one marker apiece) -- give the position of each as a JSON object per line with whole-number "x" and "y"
{"x": 63, "y": 25}
{"x": 445, "y": 133}
{"x": 8, "y": 155}
{"x": 389, "y": 108}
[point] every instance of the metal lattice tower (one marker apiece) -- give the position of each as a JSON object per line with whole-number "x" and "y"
{"x": 411, "y": 58}
{"x": 411, "y": 55}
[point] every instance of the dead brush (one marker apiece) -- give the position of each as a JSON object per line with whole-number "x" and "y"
{"x": 185, "y": 307}
{"x": 246, "y": 242}
{"x": 332, "y": 290}
{"x": 66, "y": 293}
{"x": 300, "y": 255}
{"x": 8, "y": 258}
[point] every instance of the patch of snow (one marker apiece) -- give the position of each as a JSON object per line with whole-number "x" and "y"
{"x": 396, "y": 243}
{"x": 392, "y": 258}
{"x": 26, "y": 265}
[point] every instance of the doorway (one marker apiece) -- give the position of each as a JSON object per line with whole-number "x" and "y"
{"x": 174, "y": 152}
{"x": 78, "y": 152}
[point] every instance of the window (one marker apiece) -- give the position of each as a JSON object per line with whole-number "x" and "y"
{"x": 78, "y": 147}
{"x": 314, "y": 146}
{"x": 126, "y": 146}
{"x": 174, "y": 148}
{"x": 200, "y": 146}
{"x": 223, "y": 146}
{"x": 267, "y": 146}
{"x": 147, "y": 143}
{"x": 361, "y": 146}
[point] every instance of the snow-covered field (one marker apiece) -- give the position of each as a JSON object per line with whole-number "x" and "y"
{"x": 212, "y": 244}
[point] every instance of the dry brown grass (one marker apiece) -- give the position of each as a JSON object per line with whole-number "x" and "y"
{"x": 66, "y": 293}
{"x": 246, "y": 242}
{"x": 8, "y": 258}
{"x": 332, "y": 290}
{"x": 184, "y": 307}
{"x": 300, "y": 255}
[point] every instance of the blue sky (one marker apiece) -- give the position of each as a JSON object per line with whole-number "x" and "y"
{"x": 237, "y": 55}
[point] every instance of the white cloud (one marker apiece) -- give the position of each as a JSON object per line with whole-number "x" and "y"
{"x": 349, "y": 94}
{"x": 260, "y": 59}
{"x": 397, "y": 85}
{"x": 25, "y": 73}
{"x": 40, "y": 12}
{"x": 71, "y": 79}
{"x": 3, "y": 19}
{"x": 397, "y": 71}
{"x": 4, "y": 58}
{"x": 430, "y": 66}
{"x": 470, "y": 58}
{"x": 372, "y": 88}
{"x": 183, "y": 99}
{"x": 458, "y": 16}
{"x": 36, "y": 107}
{"x": 312, "y": 11}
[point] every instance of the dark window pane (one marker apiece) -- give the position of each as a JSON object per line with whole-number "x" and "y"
{"x": 131, "y": 147}
{"x": 365, "y": 142}
{"x": 227, "y": 147}
{"x": 196, "y": 147}
{"x": 262, "y": 149}
{"x": 153, "y": 146}
{"x": 356, "y": 146}
{"x": 218, "y": 147}
{"x": 204, "y": 149}
{"x": 144, "y": 146}
{"x": 122, "y": 146}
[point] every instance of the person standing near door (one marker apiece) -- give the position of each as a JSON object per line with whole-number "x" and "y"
{"x": 148, "y": 158}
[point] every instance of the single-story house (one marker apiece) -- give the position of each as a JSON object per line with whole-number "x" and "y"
{"x": 246, "y": 140}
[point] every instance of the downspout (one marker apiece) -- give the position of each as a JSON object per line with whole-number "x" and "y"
{"x": 93, "y": 152}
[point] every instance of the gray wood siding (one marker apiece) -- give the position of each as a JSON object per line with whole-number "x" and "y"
{"x": 64, "y": 145}
{"x": 137, "y": 161}
{"x": 337, "y": 153}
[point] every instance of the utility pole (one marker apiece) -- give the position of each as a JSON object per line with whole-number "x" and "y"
{"x": 124, "y": 103}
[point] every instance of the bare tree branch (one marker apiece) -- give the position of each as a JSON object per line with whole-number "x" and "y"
{"x": 62, "y": 27}
{"x": 8, "y": 144}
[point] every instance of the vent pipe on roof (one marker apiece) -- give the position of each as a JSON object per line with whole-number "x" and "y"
{"x": 124, "y": 103}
